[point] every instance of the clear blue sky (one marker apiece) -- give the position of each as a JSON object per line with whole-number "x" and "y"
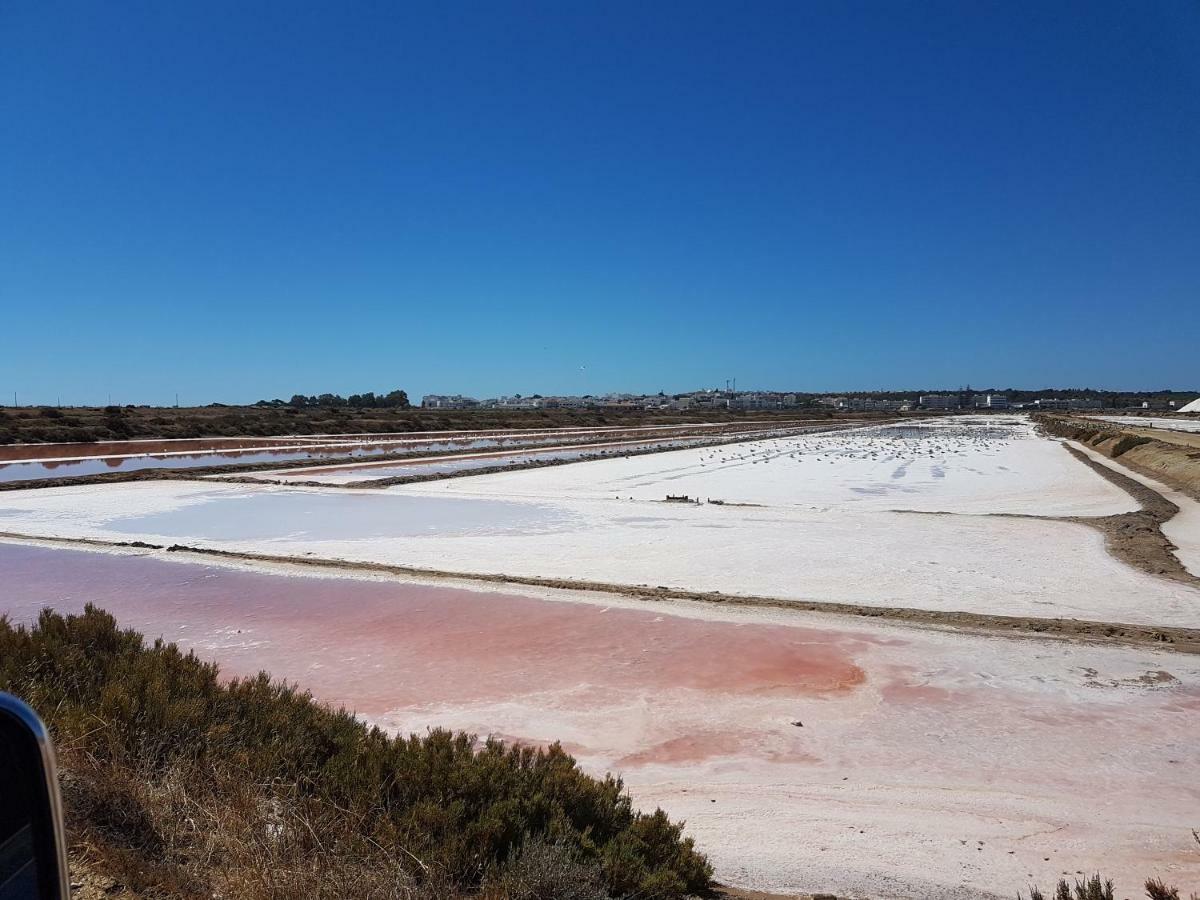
{"x": 237, "y": 200}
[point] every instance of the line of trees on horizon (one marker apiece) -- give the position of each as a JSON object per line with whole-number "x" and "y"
{"x": 370, "y": 400}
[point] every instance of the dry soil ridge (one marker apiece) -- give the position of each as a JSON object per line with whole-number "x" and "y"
{"x": 1136, "y": 538}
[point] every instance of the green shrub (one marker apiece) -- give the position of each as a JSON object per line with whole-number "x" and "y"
{"x": 1089, "y": 889}
{"x": 152, "y": 743}
{"x": 1157, "y": 890}
{"x": 1096, "y": 889}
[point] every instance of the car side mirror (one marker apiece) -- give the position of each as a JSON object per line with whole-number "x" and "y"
{"x": 33, "y": 853}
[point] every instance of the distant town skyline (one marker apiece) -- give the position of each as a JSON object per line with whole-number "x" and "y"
{"x": 416, "y": 398}
{"x": 232, "y": 202}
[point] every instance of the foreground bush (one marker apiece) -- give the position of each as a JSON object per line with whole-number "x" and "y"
{"x": 188, "y": 787}
{"x": 1096, "y": 889}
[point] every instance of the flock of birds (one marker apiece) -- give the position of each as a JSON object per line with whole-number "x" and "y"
{"x": 884, "y": 444}
{"x": 899, "y": 444}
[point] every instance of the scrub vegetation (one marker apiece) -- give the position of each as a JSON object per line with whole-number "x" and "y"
{"x": 34, "y": 425}
{"x": 369, "y": 400}
{"x": 178, "y": 784}
{"x": 1095, "y": 888}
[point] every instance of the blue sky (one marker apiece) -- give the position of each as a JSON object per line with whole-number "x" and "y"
{"x": 240, "y": 200}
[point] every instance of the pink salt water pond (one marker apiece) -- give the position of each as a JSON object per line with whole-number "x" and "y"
{"x": 806, "y": 753}
{"x": 376, "y": 646}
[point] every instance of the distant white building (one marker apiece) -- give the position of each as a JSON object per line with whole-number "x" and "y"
{"x": 995, "y": 401}
{"x": 710, "y": 400}
{"x": 448, "y": 401}
{"x": 753, "y": 401}
{"x": 938, "y": 401}
{"x": 516, "y": 403}
{"x": 1068, "y": 403}
{"x": 870, "y": 404}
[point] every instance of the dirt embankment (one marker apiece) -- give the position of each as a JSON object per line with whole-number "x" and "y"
{"x": 1173, "y": 459}
{"x": 1136, "y": 538}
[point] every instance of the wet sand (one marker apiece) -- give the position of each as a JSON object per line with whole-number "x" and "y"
{"x": 807, "y": 752}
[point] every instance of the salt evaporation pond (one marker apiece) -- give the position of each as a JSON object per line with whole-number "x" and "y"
{"x": 78, "y": 467}
{"x": 944, "y": 466}
{"x": 26, "y": 462}
{"x": 345, "y": 474}
{"x": 805, "y": 752}
{"x": 291, "y": 515}
{"x": 801, "y": 520}
{"x": 1165, "y": 423}
{"x": 182, "y": 446}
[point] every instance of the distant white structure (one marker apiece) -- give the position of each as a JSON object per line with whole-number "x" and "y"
{"x": 517, "y": 402}
{"x": 938, "y": 401}
{"x": 1068, "y": 403}
{"x": 442, "y": 401}
{"x": 753, "y": 400}
{"x": 867, "y": 404}
{"x": 1193, "y": 407}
